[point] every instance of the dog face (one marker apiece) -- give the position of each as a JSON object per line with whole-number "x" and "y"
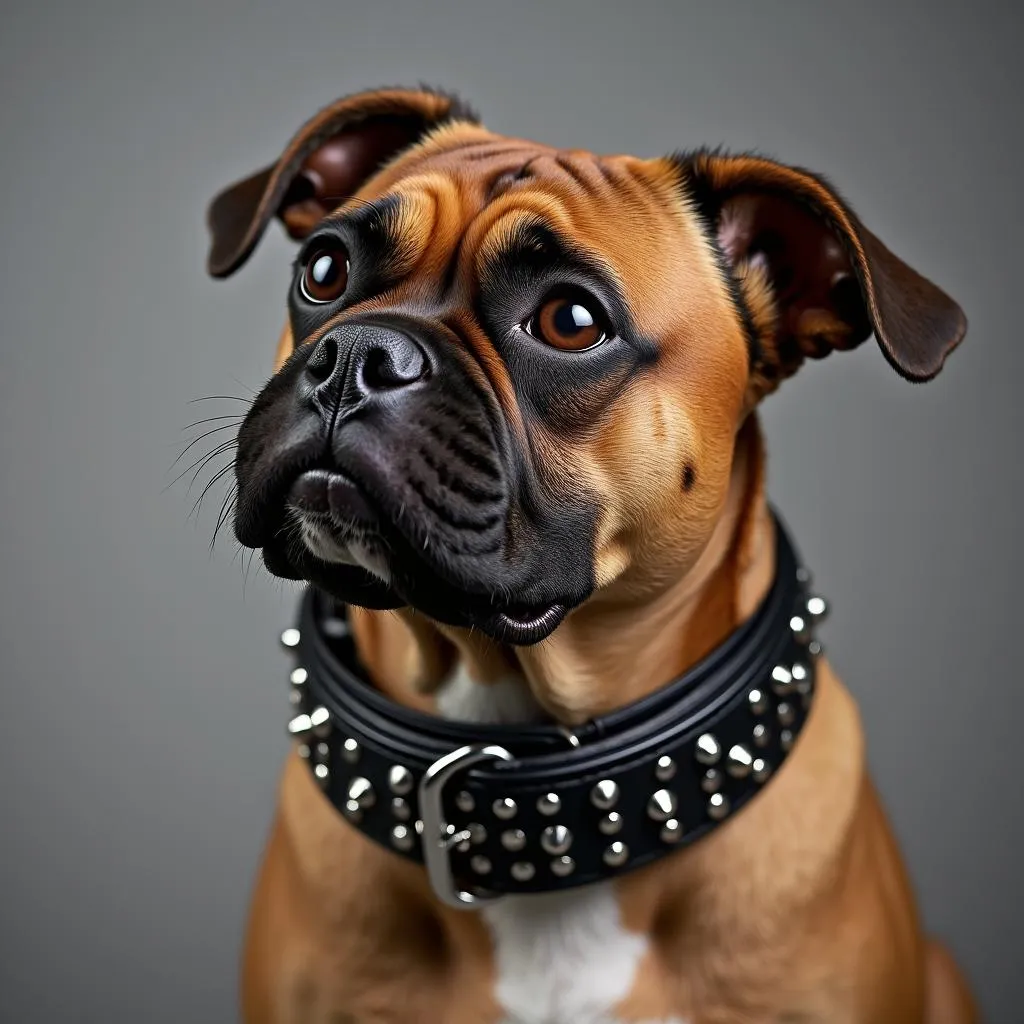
{"x": 512, "y": 376}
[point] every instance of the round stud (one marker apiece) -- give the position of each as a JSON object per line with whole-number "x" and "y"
{"x": 504, "y": 808}
{"x": 610, "y": 824}
{"x": 350, "y": 751}
{"x": 477, "y": 833}
{"x": 464, "y": 802}
{"x": 322, "y": 773}
{"x": 786, "y": 713}
{"x": 353, "y": 812}
{"x": 799, "y": 628}
{"x": 782, "y": 680}
{"x": 740, "y": 759}
{"x": 523, "y": 871}
{"x": 290, "y": 639}
{"x": 671, "y": 831}
{"x": 708, "y": 749}
{"x": 334, "y": 627}
{"x": 360, "y": 791}
{"x": 605, "y": 795}
{"x": 403, "y": 838}
{"x": 662, "y": 805}
{"x": 303, "y": 751}
{"x": 555, "y": 839}
{"x": 762, "y": 735}
{"x": 712, "y": 781}
{"x": 299, "y": 677}
{"x": 322, "y": 751}
{"x": 513, "y": 839}
{"x": 400, "y": 779}
{"x": 761, "y": 770}
{"x": 480, "y": 864}
{"x": 400, "y": 809}
{"x": 815, "y": 649}
{"x": 757, "y": 701}
{"x": 457, "y": 838}
{"x": 803, "y": 575}
{"x": 549, "y": 804}
{"x": 786, "y": 740}
{"x": 320, "y": 718}
{"x": 817, "y": 608}
{"x": 296, "y": 697}
{"x": 300, "y": 727}
{"x": 616, "y": 854}
{"x": 718, "y": 806}
{"x": 418, "y": 825}
{"x": 664, "y": 768}
{"x": 562, "y": 867}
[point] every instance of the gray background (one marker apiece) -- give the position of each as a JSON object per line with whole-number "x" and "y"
{"x": 144, "y": 694}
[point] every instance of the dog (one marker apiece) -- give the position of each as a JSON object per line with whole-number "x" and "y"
{"x": 513, "y": 432}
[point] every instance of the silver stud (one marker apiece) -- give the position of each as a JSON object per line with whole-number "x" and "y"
{"x": 290, "y": 638}
{"x": 400, "y": 779}
{"x": 555, "y": 839}
{"x": 464, "y": 802}
{"x": 786, "y": 713}
{"x": 296, "y": 697}
{"x": 782, "y": 680}
{"x": 353, "y": 812}
{"x": 360, "y": 791}
{"x": 562, "y": 867}
{"x": 662, "y": 805}
{"x": 320, "y": 718}
{"x": 400, "y": 809}
{"x": 817, "y": 608}
{"x": 803, "y": 575}
{"x": 457, "y": 839}
{"x": 334, "y": 627}
{"x": 610, "y": 824}
{"x": 522, "y": 871}
{"x": 504, "y": 808}
{"x": 761, "y": 769}
{"x": 322, "y": 751}
{"x": 803, "y": 681}
{"x": 616, "y": 855}
{"x": 513, "y": 839}
{"x": 786, "y": 739}
{"x": 303, "y": 751}
{"x": 299, "y": 677}
{"x": 757, "y": 700}
{"x": 477, "y": 833}
{"x": 664, "y": 768}
{"x": 708, "y": 750}
{"x": 740, "y": 760}
{"x": 350, "y": 751}
{"x": 762, "y": 735}
{"x": 671, "y": 831}
{"x": 605, "y": 795}
{"x": 403, "y": 838}
{"x": 480, "y": 864}
{"x": 322, "y": 773}
{"x": 718, "y": 806}
{"x": 712, "y": 781}
{"x": 418, "y": 825}
{"x": 300, "y": 727}
{"x": 799, "y": 628}
{"x": 549, "y": 804}
{"x": 815, "y": 649}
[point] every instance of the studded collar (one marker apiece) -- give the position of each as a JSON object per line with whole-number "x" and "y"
{"x": 498, "y": 809}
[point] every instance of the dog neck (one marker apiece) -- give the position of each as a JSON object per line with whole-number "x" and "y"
{"x": 608, "y": 653}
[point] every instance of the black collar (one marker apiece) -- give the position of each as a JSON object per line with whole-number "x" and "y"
{"x": 498, "y": 809}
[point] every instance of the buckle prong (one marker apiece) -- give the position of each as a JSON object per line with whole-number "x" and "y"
{"x": 439, "y": 836}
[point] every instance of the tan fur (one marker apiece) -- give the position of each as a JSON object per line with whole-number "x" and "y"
{"x": 796, "y": 909}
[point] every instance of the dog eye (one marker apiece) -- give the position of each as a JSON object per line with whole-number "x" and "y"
{"x": 573, "y": 322}
{"x": 325, "y": 275}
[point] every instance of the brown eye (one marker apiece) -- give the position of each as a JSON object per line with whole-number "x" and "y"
{"x": 573, "y": 323}
{"x": 325, "y": 276}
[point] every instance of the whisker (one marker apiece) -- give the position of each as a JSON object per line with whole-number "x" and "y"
{"x": 224, "y": 398}
{"x": 214, "y": 430}
{"x": 217, "y": 476}
{"x": 212, "y": 419}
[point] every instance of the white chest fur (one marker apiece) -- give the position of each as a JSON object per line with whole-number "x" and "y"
{"x": 563, "y": 958}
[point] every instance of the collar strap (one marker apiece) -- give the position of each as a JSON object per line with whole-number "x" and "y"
{"x": 499, "y": 809}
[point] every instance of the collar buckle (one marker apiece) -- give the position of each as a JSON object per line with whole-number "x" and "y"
{"x": 439, "y": 837}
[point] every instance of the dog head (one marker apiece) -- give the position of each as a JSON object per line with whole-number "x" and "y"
{"x": 513, "y": 376}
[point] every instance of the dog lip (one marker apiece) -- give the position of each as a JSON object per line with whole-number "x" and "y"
{"x": 334, "y": 494}
{"x": 524, "y": 626}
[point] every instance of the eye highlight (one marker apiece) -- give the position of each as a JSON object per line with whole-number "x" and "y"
{"x": 325, "y": 275}
{"x": 569, "y": 322}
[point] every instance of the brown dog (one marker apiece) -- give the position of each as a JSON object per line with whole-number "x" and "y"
{"x": 516, "y": 403}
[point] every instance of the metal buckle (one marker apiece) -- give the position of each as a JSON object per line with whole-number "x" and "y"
{"x": 439, "y": 837}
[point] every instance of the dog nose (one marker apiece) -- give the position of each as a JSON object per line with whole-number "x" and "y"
{"x": 358, "y": 361}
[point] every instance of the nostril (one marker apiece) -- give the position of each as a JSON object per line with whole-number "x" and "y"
{"x": 395, "y": 365}
{"x": 323, "y": 359}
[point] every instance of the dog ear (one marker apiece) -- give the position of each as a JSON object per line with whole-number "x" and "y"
{"x": 327, "y": 160}
{"x": 809, "y": 276}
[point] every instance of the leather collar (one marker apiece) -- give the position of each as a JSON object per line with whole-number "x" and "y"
{"x": 500, "y": 809}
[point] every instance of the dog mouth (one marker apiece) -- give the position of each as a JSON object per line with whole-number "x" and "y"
{"x": 339, "y": 539}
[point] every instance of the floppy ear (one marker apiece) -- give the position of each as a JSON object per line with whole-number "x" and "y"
{"x": 809, "y": 276}
{"x": 326, "y": 161}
